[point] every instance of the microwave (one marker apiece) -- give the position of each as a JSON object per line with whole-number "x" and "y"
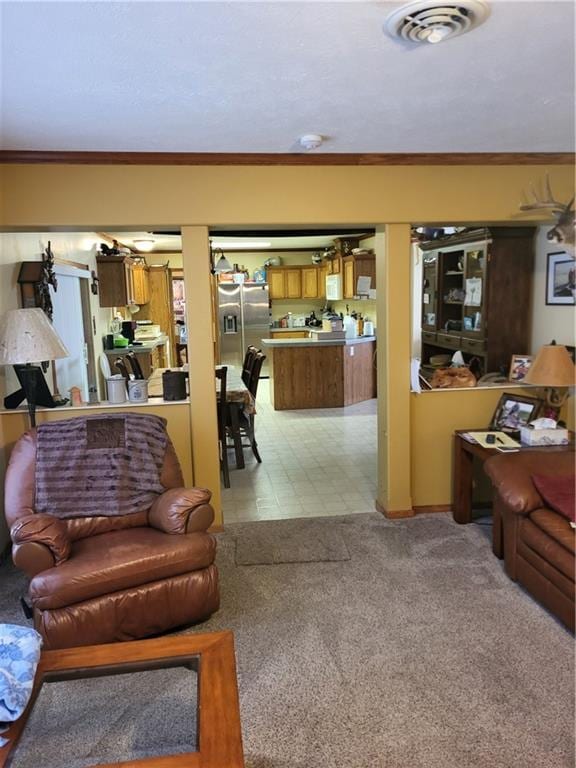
{"x": 334, "y": 287}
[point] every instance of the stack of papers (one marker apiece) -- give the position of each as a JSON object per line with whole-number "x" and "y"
{"x": 501, "y": 441}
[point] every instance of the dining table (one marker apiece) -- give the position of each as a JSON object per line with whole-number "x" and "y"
{"x": 240, "y": 400}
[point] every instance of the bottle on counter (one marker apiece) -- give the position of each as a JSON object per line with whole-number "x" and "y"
{"x": 360, "y": 322}
{"x": 290, "y": 320}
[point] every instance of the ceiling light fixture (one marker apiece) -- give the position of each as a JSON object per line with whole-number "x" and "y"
{"x": 311, "y": 141}
{"x": 431, "y": 21}
{"x": 144, "y": 244}
{"x": 242, "y": 244}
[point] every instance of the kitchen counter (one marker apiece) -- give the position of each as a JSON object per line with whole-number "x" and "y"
{"x": 145, "y": 346}
{"x": 313, "y": 343}
{"x": 152, "y": 354}
{"x": 321, "y": 374}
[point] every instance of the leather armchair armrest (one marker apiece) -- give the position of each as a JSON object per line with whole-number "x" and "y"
{"x": 182, "y": 510}
{"x": 40, "y": 541}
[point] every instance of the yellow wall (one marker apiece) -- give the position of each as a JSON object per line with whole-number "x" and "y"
{"x": 151, "y": 197}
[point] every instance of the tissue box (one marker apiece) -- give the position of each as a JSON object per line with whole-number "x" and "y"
{"x": 543, "y": 437}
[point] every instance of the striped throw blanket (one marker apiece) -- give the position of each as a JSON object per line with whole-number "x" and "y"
{"x": 99, "y": 465}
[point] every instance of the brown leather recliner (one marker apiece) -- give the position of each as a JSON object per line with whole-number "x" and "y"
{"x": 539, "y": 543}
{"x": 100, "y": 579}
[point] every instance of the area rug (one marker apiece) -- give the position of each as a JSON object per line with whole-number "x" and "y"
{"x": 289, "y": 541}
{"x": 417, "y": 652}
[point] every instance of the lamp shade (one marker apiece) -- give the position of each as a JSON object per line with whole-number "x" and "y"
{"x": 26, "y": 336}
{"x": 223, "y": 265}
{"x": 552, "y": 367}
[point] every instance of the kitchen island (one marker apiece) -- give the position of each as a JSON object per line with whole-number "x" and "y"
{"x": 331, "y": 373}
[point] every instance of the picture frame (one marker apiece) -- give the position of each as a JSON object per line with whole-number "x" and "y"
{"x": 514, "y": 411}
{"x": 560, "y": 279}
{"x": 519, "y": 367}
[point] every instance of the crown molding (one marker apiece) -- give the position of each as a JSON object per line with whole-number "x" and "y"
{"x": 31, "y": 157}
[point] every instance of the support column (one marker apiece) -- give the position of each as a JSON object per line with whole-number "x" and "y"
{"x": 393, "y": 305}
{"x": 203, "y": 418}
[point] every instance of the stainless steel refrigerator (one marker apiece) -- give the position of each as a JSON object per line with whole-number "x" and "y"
{"x": 243, "y": 319}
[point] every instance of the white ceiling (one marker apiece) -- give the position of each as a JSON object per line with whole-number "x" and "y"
{"x": 252, "y": 77}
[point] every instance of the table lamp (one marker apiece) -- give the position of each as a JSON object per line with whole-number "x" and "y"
{"x": 553, "y": 369}
{"x": 26, "y": 337}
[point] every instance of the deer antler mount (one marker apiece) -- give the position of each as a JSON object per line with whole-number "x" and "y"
{"x": 563, "y": 232}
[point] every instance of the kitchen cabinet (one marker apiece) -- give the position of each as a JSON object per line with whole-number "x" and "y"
{"x": 293, "y": 278}
{"x": 322, "y": 272}
{"x": 334, "y": 266}
{"x": 289, "y": 335}
{"x": 476, "y": 288}
{"x": 141, "y": 284}
{"x": 275, "y": 277}
{"x": 116, "y": 280}
{"x": 285, "y": 282}
{"x": 310, "y": 281}
{"x": 354, "y": 267}
{"x": 159, "y": 308}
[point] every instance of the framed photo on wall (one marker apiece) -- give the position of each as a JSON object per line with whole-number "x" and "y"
{"x": 561, "y": 279}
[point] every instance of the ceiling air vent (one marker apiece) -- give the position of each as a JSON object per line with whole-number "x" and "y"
{"x": 430, "y": 21}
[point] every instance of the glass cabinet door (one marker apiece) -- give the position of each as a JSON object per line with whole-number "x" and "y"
{"x": 430, "y": 292}
{"x": 474, "y": 287}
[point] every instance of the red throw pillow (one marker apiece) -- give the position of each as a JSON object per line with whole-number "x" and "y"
{"x": 558, "y": 492}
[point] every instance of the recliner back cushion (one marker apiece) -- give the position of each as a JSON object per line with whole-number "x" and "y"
{"x": 19, "y": 491}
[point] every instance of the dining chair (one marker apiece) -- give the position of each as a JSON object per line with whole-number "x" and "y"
{"x": 255, "y": 370}
{"x": 246, "y": 423}
{"x": 249, "y": 358}
{"x": 221, "y": 374}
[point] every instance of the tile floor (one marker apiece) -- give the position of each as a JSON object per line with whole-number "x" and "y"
{"x": 315, "y": 463}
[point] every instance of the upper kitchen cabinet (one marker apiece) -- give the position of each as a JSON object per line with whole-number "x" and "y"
{"x": 363, "y": 265}
{"x": 310, "y": 282}
{"x": 285, "y": 282}
{"x": 141, "y": 283}
{"x": 116, "y": 278}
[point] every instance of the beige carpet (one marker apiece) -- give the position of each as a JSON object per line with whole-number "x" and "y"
{"x": 417, "y": 652}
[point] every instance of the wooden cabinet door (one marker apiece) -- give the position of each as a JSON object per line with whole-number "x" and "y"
{"x": 293, "y": 278}
{"x": 365, "y": 266}
{"x": 310, "y": 282}
{"x": 322, "y": 273}
{"x": 336, "y": 265}
{"x": 116, "y": 283}
{"x": 276, "y": 283}
{"x": 349, "y": 278}
{"x": 290, "y": 335}
{"x": 141, "y": 284}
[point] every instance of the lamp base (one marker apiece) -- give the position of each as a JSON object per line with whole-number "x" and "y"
{"x": 34, "y": 390}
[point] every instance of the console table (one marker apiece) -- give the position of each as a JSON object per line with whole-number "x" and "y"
{"x": 464, "y": 453}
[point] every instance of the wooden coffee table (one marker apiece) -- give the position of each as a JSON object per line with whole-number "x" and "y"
{"x": 212, "y": 655}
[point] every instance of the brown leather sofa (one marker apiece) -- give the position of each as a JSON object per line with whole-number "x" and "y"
{"x": 539, "y": 543}
{"x": 100, "y": 579}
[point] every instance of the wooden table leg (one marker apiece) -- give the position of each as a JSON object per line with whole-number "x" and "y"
{"x": 462, "y": 483}
{"x": 236, "y": 436}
